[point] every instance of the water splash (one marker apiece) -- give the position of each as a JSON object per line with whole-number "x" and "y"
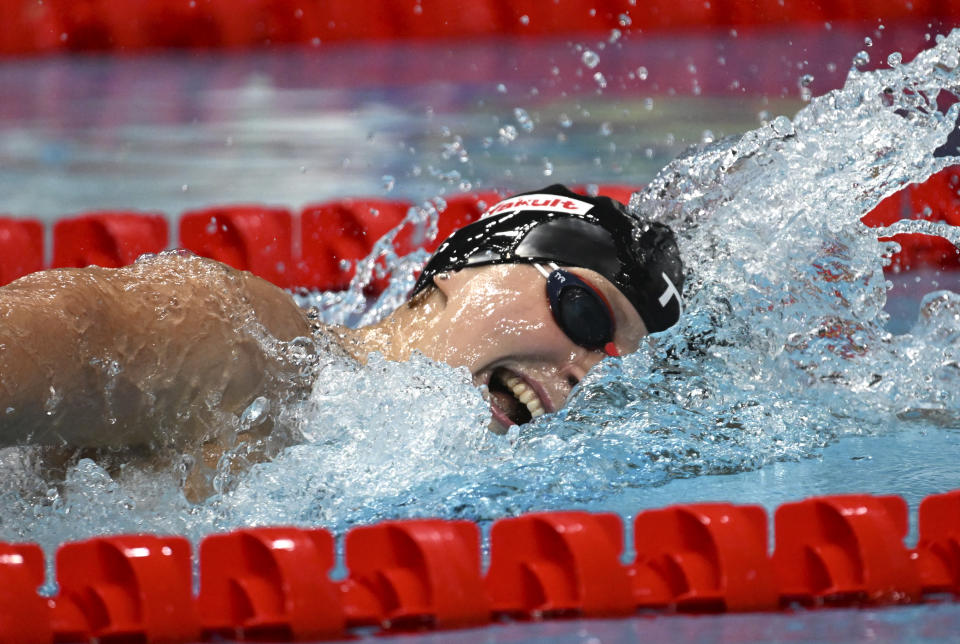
{"x": 781, "y": 351}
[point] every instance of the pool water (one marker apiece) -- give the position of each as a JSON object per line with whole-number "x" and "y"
{"x": 796, "y": 370}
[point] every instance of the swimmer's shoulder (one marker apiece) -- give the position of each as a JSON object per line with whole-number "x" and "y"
{"x": 325, "y": 337}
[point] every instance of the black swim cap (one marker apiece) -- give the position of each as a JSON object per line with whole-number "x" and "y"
{"x": 637, "y": 256}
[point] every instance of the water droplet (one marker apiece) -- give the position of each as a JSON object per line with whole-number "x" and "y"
{"x": 524, "y": 19}
{"x": 345, "y": 265}
{"x": 50, "y": 404}
{"x": 184, "y": 187}
{"x": 547, "y": 168}
{"x": 303, "y": 169}
{"x": 254, "y": 413}
{"x": 782, "y": 126}
{"x": 606, "y": 129}
{"x": 861, "y": 59}
{"x": 805, "y": 80}
{"x": 648, "y": 104}
{"x": 388, "y": 181}
{"x": 707, "y": 137}
{"x": 895, "y": 59}
{"x": 868, "y": 42}
{"x": 507, "y": 133}
{"x": 229, "y": 141}
{"x": 315, "y": 42}
{"x": 565, "y": 121}
{"x": 590, "y": 59}
{"x": 624, "y": 20}
{"x": 600, "y": 80}
{"x": 501, "y": 88}
{"x": 63, "y": 37}
{"x": 642, "y": 73}
{"x": 615, "y": 35}
{"x": 211, "y": 227}
{"x": 523, "y": 119}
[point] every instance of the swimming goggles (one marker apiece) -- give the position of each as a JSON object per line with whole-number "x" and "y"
{"x": 581, "y": 311}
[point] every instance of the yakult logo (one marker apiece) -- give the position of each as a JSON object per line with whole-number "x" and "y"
{"x": 551, "y": 203}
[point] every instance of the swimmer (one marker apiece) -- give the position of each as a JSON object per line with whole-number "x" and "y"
{"x": 168, "y": 353}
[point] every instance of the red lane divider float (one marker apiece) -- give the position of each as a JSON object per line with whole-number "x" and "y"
{"x": 252, "y": 238}
{"x": 559, "y": 563}
{"x": 29, "y": 26}
{"x": 269, "y": 584}
{"x": 334, "y": 235}
{"x": 274, "y": 584}
{"x": 845, "y": 549}
{"x": 24, "y": 615}
{"x": 126, "y": 588}
{"x": 415, "y": 574}
{"x": 704, "y": 558}
{"x": 109, "y": 239}
{"x": 21, "y": 248}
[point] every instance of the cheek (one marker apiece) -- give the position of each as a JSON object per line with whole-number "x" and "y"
{"x": 516, "y": 324}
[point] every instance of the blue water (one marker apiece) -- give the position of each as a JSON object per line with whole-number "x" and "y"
{"x": 796, "y": 371}
{"x": 932, "y": 623}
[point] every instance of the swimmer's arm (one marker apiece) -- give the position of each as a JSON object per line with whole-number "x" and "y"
{"x": 165, "y": 352}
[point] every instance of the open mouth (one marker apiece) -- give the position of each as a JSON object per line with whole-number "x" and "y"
{"x": 514, "y": 398}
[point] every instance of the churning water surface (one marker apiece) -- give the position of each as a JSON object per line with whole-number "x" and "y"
{"x": 781, "y": 381}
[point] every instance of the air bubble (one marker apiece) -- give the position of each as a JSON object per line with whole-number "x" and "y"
{"x": 624, "y": 20}
{"x": 507, "y": 133}
{"x": 256, "y": 412}
{"x": 523, "y": 119}
{"x": 590, "y": 59}
{"x": 388, "y": 181}
{"x": 861, "y": 59}
{"x": 642, "y": 73}
{"x": 600, "y": 80}
{"x": 782, "y": 126}
{"x": 895, "y": 59}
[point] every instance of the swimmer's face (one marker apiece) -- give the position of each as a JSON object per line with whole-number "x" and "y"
{"x": 496, "y": 321}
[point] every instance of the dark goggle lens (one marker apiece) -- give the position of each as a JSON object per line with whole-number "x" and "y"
{"x": 582, "y": 314}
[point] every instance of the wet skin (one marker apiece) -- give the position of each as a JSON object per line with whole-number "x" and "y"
{"x": 496, "y": 321}
{"x": 167, "y": 354}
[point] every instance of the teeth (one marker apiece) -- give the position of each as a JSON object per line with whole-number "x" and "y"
{"x": 526, "y": 395}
